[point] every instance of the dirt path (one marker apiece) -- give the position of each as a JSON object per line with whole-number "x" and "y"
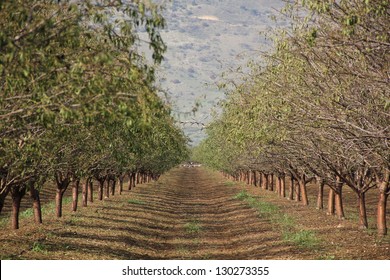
{"x": 190, "y": 213}
{"x": 193, "y": 216}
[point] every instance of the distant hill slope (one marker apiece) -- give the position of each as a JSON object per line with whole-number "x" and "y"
{"x": 206, "y": 38}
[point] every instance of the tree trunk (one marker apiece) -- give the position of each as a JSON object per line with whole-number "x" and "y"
{"x": 255, "y": 178}
{"x": 339, "y": 204}
{"x": 298, "y": 191}
{"x": 59, "y": 195}
{"x": 302, "y": 187}
{"x": 130, "y": 181}
{"x": 62, "y": 185}
{"x": 134, "y": 180}
{"x": 331, "y": 202}
{"x": 283, "y": 186}
{"x": 320, "y": 196}
{"x": 120, "y": 189}
{"x": 381, "y": 213}
{"x": 17, "y": 195}
{"x": 75, "y": 194}
{"x": 85, "y": 193}
{"x": 113, "y": 187}
{"x": 271, "y": 182}
{"x": 90, "y": 190}
{"x": 34, "y": 194}
{"x": 107, "y": 189}
{"x": 279, "y": 185}
{"x": 265, "y": 181}
{"x": 291, "y": 192}
{"x": 363, "y": 223}
{"x": 101, "y": 189}
{"x": 15, "y": 211}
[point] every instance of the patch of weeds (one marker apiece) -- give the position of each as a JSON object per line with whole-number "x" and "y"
{"x": 265, "y": 208}
{"x": 67, "y": 200}
{"x": 27, "y": 213}
{"x": 371, "y": 231}
{"x": 48, "y": 208}
{"x": 11, "y": 257}
{"x": 229, "y": 183}
{"x": 72, "y": 221}
{"x": 39, "y": 247}
{"x": 196, "y": 241}
{"x": 6, "y": 257}
{"x": 382, "y": 240}
{"x": 303, "y": 238}
{"x": 242, "y": 195}
{"x": 327, "y": 257}
{"x": 4, "y": 222}
{"x": 183, "y": 251}
{"x": 193, "y": 227}
{"x": 284, "y": 222}
{"x": 136, "y": 202}
{"x": 353, "y": 217}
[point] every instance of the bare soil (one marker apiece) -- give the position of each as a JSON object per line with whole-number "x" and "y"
{"x": 190, "y": 213}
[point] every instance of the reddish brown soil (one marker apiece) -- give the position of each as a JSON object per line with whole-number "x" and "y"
{"x": 190, "y": 213}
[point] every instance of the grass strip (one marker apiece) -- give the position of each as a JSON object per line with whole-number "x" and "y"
{"x": 193, "y": 227}
{"x": 136, "y": 202}
{"x": 302, "y": 238}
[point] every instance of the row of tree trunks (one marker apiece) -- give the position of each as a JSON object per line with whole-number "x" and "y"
{"x": 276, "y": 183}
{"x": 17, "y": 193}
{"x": 297, "y": 191}
{"x": 132, "y": 180}
{"x": 107, "y": 186}
{"x": 281, "y": 185}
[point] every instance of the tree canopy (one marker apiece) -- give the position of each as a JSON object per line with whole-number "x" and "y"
{"x": 319, "y": 105}
{"x": 78, "y": 97}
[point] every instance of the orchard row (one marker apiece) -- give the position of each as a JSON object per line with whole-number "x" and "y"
{"x": 317, "y": 107}
{"x": 79, "y": 99}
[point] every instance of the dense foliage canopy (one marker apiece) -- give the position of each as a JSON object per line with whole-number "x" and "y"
{"x": 78, "y": 97}
{"x": 319, "y": 106}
